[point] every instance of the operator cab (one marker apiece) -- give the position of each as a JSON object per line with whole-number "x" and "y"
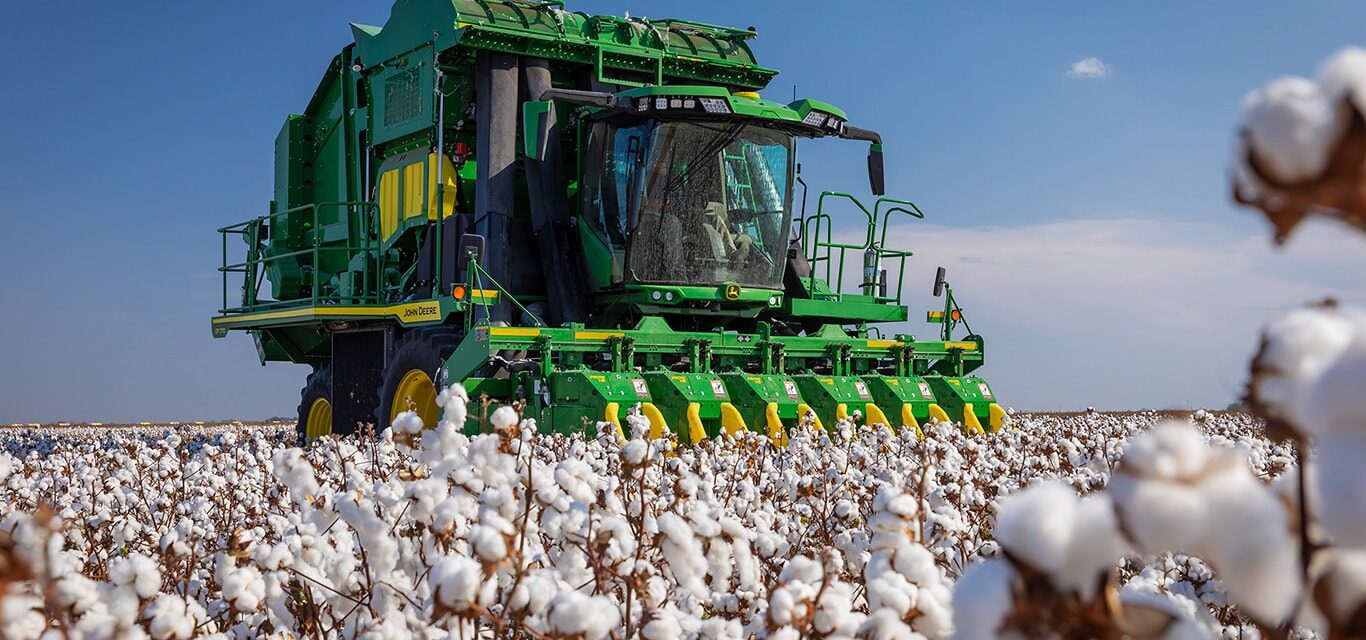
{"x": 690, "y": 202}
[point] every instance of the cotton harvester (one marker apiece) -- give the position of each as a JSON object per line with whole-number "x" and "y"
{"x": 586, "y": 214}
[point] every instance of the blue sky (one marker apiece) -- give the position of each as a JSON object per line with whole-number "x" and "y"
{"x": 1085, "y": 222}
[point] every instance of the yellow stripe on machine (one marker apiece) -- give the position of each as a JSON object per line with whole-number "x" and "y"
{"x": 966, "y": 346}
{"x": 428, "y": 311}
{"x": 597, "y": 335}
{"x": 882, "y": 344}
{"x": 520, "y": 332}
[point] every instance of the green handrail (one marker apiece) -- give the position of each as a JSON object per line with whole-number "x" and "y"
{"x": 255, "y": 263}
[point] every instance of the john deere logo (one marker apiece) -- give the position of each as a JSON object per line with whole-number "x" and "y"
{"x": 732, "y": 292}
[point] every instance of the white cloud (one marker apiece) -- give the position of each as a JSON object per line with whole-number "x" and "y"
{"x": 1089, "y": 68}
{"x": 1123, "y": 313}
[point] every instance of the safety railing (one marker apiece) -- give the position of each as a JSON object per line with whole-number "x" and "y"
{"x": 257, "y": 232}
{"x": 817, "y": 238}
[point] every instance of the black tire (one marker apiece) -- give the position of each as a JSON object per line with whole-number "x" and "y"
{"x": 424, "y": 349}
{"x": 318, "y": 385}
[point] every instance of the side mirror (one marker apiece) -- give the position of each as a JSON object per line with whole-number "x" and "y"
{"x": 538, "y": 119}
{"x": 875, "y": 172}
{"x": 470, "y": 243}
{"x": 939, "y": 282}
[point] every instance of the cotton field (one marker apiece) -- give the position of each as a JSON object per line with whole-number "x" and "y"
{"x": 178, "y": 533}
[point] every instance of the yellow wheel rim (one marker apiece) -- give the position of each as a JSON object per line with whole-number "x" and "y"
{"x": 319, "y": 422}
{"x": 416, "y": 392}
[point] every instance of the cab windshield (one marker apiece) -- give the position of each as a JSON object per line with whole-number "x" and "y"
{"x": 692, "y": 203}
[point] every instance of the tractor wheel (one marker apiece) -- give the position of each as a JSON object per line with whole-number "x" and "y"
{"x": 410, "y": 375}
{"x": 315, "y": 406}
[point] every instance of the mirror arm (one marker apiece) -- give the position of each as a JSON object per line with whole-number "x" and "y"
{"x": 855, "y": 133}
{"x": 587, "y": 98}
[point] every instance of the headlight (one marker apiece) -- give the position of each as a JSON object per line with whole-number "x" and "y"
{"x": 815, "y": 118}
{"x": 715, "y": 105}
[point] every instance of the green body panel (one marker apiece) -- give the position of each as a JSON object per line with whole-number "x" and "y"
{"x": 672, "y": 393}
{"x": 953, "y": 394}
{"x": 827, "y": 393}
{"x": 891, "y": 393}
{"x": 580, "y": 397}
{"x": 753, "y": 393}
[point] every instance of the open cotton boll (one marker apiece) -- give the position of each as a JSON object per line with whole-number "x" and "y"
{"x": 1155, "y": 488}
{"x": 455, "y": 582}
{"x": 503, "y": 418}
{"x": 1343, "y": 76}
{"x": 1153, "y": 615}
{"x": 172, "y": 617}
{"x": 138, "y": 573}
{"x": 982, "y": 599}
{"x": 577, "y": 614}
{"x": 1334, "y": 397}
{"x": 1341, "y": 493}
{"x": 1096, "y": 545}
{"x": 1036, "y": 524}
{"x": 1341, "y": 584}
{"x": 1292, "y": 127}
{"x": 1297, "y": 348}
{"x": 1250, "y": 543}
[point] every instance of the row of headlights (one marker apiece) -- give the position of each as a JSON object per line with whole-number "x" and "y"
{"x": 668, "y": 296}
{"x": 683, "y": 103}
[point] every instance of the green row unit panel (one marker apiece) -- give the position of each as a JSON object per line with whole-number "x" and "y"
{"x": 695, "y": 405}
{"x": 833, "y": 397}
{"x": 769, "y": 404}
{"x": 584, "y": 398}
{"x": 971, "y": 397}
{"x": 903, "y": 400}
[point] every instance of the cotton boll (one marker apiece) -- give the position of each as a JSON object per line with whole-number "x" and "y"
{"x": 1160, "y": 515}
{"x": 1334, "y": 398}
{"x": 1250, "y": 544}
{"x": 138, "y": 573}
{"x": 1340, "y": 587}
{"x": 982, "y": 599}
{"x": 883, "y": 624}
{"x": 576, "y": 614}
{"x": 173, "y": 617}
{"x": 1036, "y": 525}
{"x": 244, "y": 589}
{"x": 1095, "y": 546}
{"x": 503, "y": 418}
{"x": 1291, "y": 126}
{"x": 1343, "y": 77}
{"x": 1170, "y": 451}
{"x": 635, "y": 451}
{"x": 1341, "y": 493}
{"x": 455, "y": 582}
{"x": 1297, "y": 349}
{"x": 1152, "y": 615}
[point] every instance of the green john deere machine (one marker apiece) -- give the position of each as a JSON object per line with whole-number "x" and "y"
{"x": 588, "y": 215}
